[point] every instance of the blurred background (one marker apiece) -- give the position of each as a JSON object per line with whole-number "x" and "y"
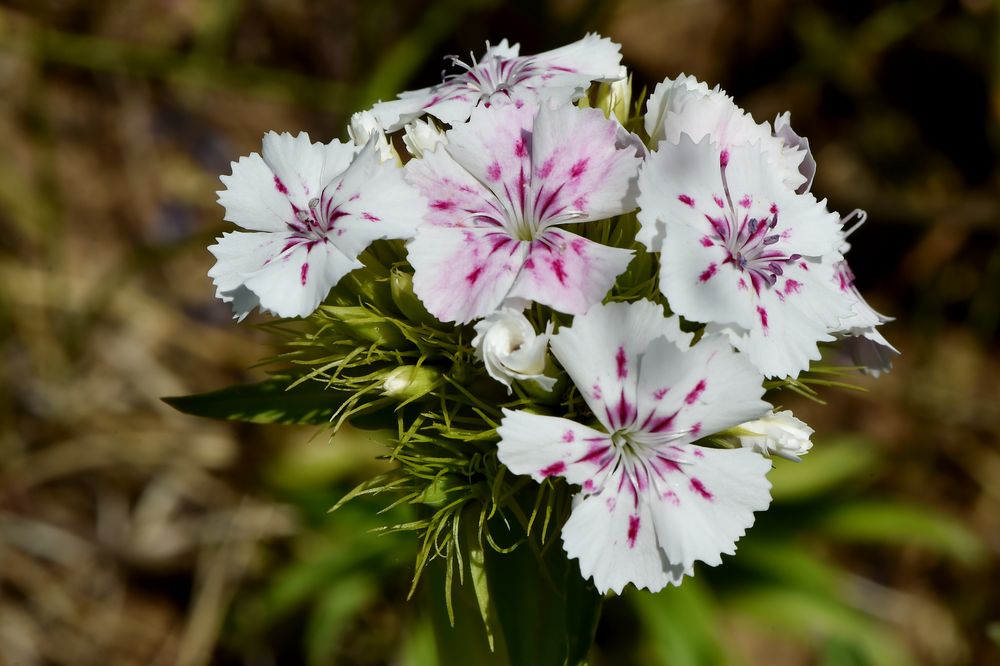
{"x": 130, "y": 534}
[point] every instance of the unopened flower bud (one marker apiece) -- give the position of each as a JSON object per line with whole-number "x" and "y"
{"x": 362, "y": 325}
{"x": 363, "y": 126}
{"x": 615, "y": 98}
{"x": 779, "y": 434}
{"x": 422, "y": 137}
{"x": 412, "y": 308}
{"x": 409, "y": 382}
{"x": 510, "y": 349}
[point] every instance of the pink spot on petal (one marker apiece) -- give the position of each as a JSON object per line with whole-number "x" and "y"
{"x": 577, "y": 169}
{"x": 596, "y": 391}
{"x": 699, "y": 487}
{"x": 519, "y": 148}
{"x": 442, "y": 204}
{"x": 546, "y": 167}
{"x": 588, "y": 485}
{"x": 672, "y": 497}
{"x": 762, "y": 313}
{"x": 280, "y": 186}
{"x": 493, "y": 171}
{"x": 774, "y": 209}
{"x": 718, "y": 201}
{"x": 370, "y": 217}
{"x": 695, "y": 393}
{"x": 633, "y": 530}
{"x": 697, "y": 452}
{"x": 568, "y": 436}
{"x": 554, "y": 469}
{"x": 304, "y": 273}
{"x": 659, "y": 393}
{"x": 745, "y": 201}
{"x": 559, "y": 269}
{"x": 695, "y": 430}
{"x": 792, "y": 286}
{"x": 622, "y": 362}
{"x": 707, "y": 242}
{"x": 743, "y": 284}
{"x": 685, "y": 199}
{"x": 707, "y": 274}
{"x": 474, "y": 275}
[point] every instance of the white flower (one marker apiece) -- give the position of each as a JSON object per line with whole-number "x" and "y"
{"x": 507, "y": 345}
{"x": 651, "y": 503}
{"x": 686, "y": 106}
{"x": 742, "y": 251}
{"x": 363, "y": 127}
{"x": 500, "y": 193}
{"x": 501, "y": 75}
{"x": 422, "y": 136}
{"x": 776, "y": 433}
{"x": 310, "y": 209}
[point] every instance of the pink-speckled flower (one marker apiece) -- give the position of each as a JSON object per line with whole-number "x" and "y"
{"x": 498, "y": 189}
{"x": 742, "y": 251}
{"x": 560, "y": 75}
{"x": 651, "y": 502}
{"x": 309, "y": 210}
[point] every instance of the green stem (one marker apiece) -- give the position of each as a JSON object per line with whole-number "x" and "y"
{"x": 532, "y": 604}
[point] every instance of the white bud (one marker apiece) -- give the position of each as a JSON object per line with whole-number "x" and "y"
{"x": 779, "y": 434}
{"x": 422, "y": 137}
{"x": 510, "y": 349}
{"x": 361, "y": 129}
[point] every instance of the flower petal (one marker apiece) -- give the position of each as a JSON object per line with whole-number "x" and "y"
{"x": 495, "y": 147}
{"x": 462, "y": 274}
{"x": 614, "y": 538}
{"x": 568, "y": 272}
{"x": 686, "y": 394}
{"x": 456, "y": 198}
{"x": 303, "y": 168}
{"x": 544, "y": 446}
{"x": 294, "y": 284}
{"x": 373, "y": 201}
{"x": 601, "y": 351}
{"x": 579, "y": 168}
{"x": 703, "y": 505}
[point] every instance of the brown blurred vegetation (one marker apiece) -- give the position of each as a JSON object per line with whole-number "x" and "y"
{"x": 127, "y": 531}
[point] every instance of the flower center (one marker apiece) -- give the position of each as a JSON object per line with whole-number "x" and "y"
{"x": 315, "y": 221}
{"x": 494, "y": 74}
{"x": 752, "y": 245}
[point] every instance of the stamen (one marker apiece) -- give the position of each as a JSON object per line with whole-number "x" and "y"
{"x": 861, "y": 215}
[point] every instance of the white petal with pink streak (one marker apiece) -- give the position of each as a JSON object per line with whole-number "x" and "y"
{"x": 568, "y": 272}
{"x": 461, "y": 274}
{"x": 579, "y": 166}
{"x": 544, "y": 446}
{"x": 701, "y": 509}
{"x": 601, "y": 353}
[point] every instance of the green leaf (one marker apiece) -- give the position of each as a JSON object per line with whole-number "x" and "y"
{"x": 830, "y": 464}
{"x": 899, "y": 524}
{"x": 269, "y": 401}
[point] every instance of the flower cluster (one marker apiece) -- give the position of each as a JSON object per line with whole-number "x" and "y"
{"x": 553, "y": 281}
